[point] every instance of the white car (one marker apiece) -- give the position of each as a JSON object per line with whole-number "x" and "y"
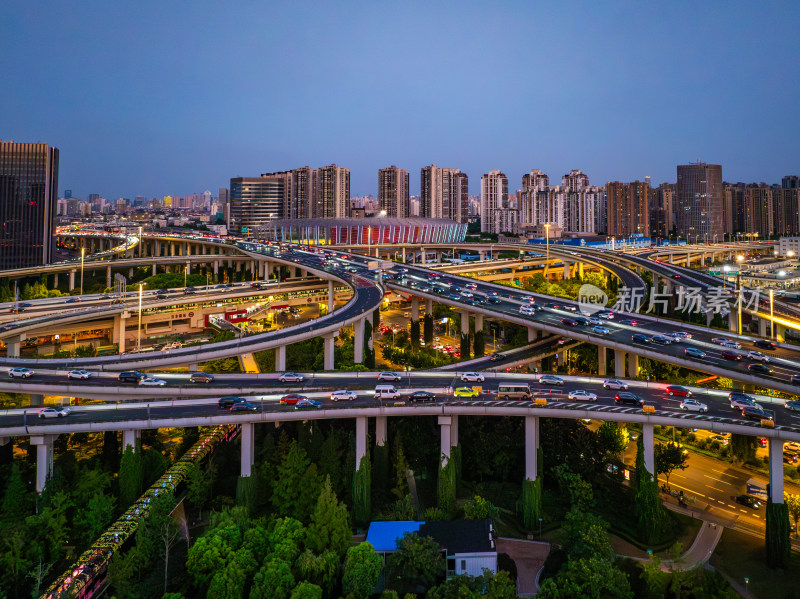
{"x": 615, "y": 384}
{"x": 581, "y": 395}
{"x": 601, "y": 330}
{"x": 152, "y": 382}
{"x": 53, "y": 412}
{"x": 388, "y": 376}
{"x": 525, "y": 309}
{"x": 291, "y": 377}
{"x": 472, "y": 377}
{"x": 680, "y": 335}
{"x": 692, "y": 405}
{"x": 757, "y": 356}
{"x": 79, "y": 374}
{"x": 343, "y": 395}
{"x": 731, "y": 344}
{"x": 595, "y": 321}
{"x": 25, "y": 373}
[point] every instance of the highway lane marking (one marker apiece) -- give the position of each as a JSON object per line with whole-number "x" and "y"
{"x": 715, "y": 488}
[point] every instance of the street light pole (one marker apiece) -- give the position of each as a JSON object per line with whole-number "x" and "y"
{"x": 140, "y": 242}
{"x": 139, "y": 327}
{"x": 771, "y": 321}
{"x": 83, "y": 251}
{"x": 547, "y": 257}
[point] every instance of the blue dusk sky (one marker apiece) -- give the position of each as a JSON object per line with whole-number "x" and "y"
{"x": 155, "y": 98}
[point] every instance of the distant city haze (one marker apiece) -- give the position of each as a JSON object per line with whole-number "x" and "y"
{"x": 156, "y": 98}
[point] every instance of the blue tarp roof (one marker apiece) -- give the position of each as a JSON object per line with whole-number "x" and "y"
{"x": 383, "y": 535}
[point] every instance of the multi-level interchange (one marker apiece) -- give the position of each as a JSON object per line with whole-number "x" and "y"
{"x": 183, "y": 403}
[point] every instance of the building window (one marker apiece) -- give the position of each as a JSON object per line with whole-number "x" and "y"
{"x": 463, "y": 565}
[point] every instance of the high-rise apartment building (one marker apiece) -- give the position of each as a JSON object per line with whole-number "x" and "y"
{"x": 573, "y": 206}
{"x": 298, "y": 191}
{"x": 28, "y": 192}
{"x": 759, "y": 210}
{"x": 786, "y": 201}
{"x": 628, "y": 206}
{"x": 444, "y": 193}
{"x": 699, "y": 207}
{"x": 662, "y": 210}
{"x": 494, "y": 197}
{"x": 790, "y": 182}
{"x": 331, "y": 192}
{"x": 255, "y": 201}
{"x": 393, "y": 192}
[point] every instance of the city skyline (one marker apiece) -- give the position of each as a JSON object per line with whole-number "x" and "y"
{"x": 131, "y": 122}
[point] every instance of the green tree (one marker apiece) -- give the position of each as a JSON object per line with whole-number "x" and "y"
{"x": 647, "y": 503}
{"x": 274, "y": 580}
{"x": 306, "y": 590}
{"x": 417, "y": 563}
{"x": 414, "y": 335}
{"x": 461, "y": 586}
{"x": 199, "y": 485}
{"x": 793, "y": 505}
{"x": 361, "y": 570}
{"x": 464, "y": 346}
{"x": 330, "y": 528}
{"x": 93, "y": 517}
{"x": 446, "y": 488}
{"x": 501, "y": 586}
{"x": 590, "y": 578}
{"x": 427, "y": 329}
{"x": 130, "y": 475}
{"x": 612, "y": 438}
{"x": 295, "y": 491}
{"x": 362, "y": 492}
{"x": 586, "y": 535}
{"x": 777, "y": 534}
{"x": 668, "y": 458}
{"x": 321, "y": 570}
{"x": 743, "y": 447}
{"x": 478, "y": 344}
{"x": 479, "y": 508}
{"x": 17, "y": 499}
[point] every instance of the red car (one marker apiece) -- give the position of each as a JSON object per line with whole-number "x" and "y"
{"x": 678, "y": 391}
{"x": 730, "y": 355}
{"x": 292, "y": 398}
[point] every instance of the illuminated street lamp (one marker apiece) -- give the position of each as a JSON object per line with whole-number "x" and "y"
{"x": 771, "y": 321}
{"x": 739, "y": 259}
{"x": 139, "y": 328}
{"x": 547, "y": 257}
{"x": 140, "y": 242}
{"x": 83, "y": 251}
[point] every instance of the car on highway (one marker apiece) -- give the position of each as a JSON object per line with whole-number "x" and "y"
{"x": 757, "y": 356}
{"x": 570, "y": 322}
{"x": 720, "y": 439}
{"x": 465, "y": 392}
{"x": 759, "y": 368}
{"x": 308, "y": 404}
{"x": 678, "y": 390}
{"x": 16, "y": 310}
{"x": 563, "y": 340}
{"x": 421, "y": 396}
{"x": 719, "y": 340}
{"x": 693, "y": 352}
{"x": 343, "y": 395}
{"x": 291, "y": 377}
{"x": 764, "y": 344}
{"x": 292, "y": 398}
{"x": 201, "y": 377}
{"x": 20, "y": 372}
{"x": 605, "y": 314}
{"x": 549, "y": 379}
{"x": 730, "y": 355}
{"x": 569, "y": 307}
{"x": 244, "y": 406}
{"x": 793, "y": 405}
{"x": 640, "y": 338}
{"x": 472, "y": 377}
{"x": 73, "y": 300}
{"x": 740, "y": 400}
{"x": 601, "y": 330}
{"x": 151, "y": 381}
{"x": 755, "y": 413}
{"x": 630, "y": 322}
{"x": 388, "y": 376}
{"x": 748, "y": 501}
{"x": 692, "y": 405}
{"x": 582, "y": 395}
{"x": 526, "y": 309}
{"x": 624, "y": 397}
{"x": 131, "y": 376}
{"x": 662, "y": 339}
{"x": 227, "y": 401}
{"x": 53, "y": 412}
{"x": 679, "y": 336}
{"x": 731, "y": 344}
{"x": 615, "y": 384}
{"x": 79, "y": 374}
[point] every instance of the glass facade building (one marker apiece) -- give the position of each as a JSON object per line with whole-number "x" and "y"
{"x": 699, "y": 207}
{"x": 28, "y": 190}
{"x": 256, "y": 201}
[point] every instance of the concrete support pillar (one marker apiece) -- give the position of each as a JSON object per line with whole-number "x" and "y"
{"x": 129, "y": 438}
{"x": 619, "y": 363}
{"x": 361, "y": 439}
{"x": 464, "y": 322}
{"x": 155, "y": 269}
{"x": 130, "y": 272}
{"x": 404, "y": 255}
{"x": 380, "y": 431}
{"x": 579, "y": 266}
{"x": 216, "y": 268}
{"x": 776, "y": 470}
{"x": 13, "y": 346}
{"x": 709, "y": 317}
{"x": 423, "y": 253}
{"x": 780, "y": 332}
{"x": 328, "y": 346}
{"x": 633, "y": 365}
{"x": 478, "y": 322}
{"x": 188, "y": 268}
{"x": 762, "y": 327}
{"x": 453, "y": 431}
{"x": 71, "y": 280}
{"x": 280, "y": 358}
{"x": 601, "y": 360}
{"x": 649, "y": 448}
{"x": 733, "y": 321}
{"x": 358, "y": 342}
{"x": 414, "y": 308}
{"x": 248, "y": 449}
{"x": 531, "y": 447}
{"x": 44, "y": 459}
{"x": 429, "y": 307}
{"x": 108, "y": 276}
{"x": 156, "y": 247}
{"x": 561, "y": 357}
{"x": 444, "y": 427}
{"x": 567, "y": 266}
{"x": 55, "y": 281}
{"x": 533, "y": 334}
{"x": 331, "y": 297}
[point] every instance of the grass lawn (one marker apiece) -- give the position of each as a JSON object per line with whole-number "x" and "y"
{"x": 739, "y": 555}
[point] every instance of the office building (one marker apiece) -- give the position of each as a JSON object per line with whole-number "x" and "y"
{"x": 699, "y": 205}
{"x": 494, "y": 196}
{"x": 393, "y": 192}
{"x": 628, "y": 206}
{"x": 444, "y": 193}
{"x": 28, "y": 191}
{"x": 256, "y": 201}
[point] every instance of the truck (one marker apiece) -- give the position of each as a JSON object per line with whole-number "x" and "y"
{"x": 757, "y": 488}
